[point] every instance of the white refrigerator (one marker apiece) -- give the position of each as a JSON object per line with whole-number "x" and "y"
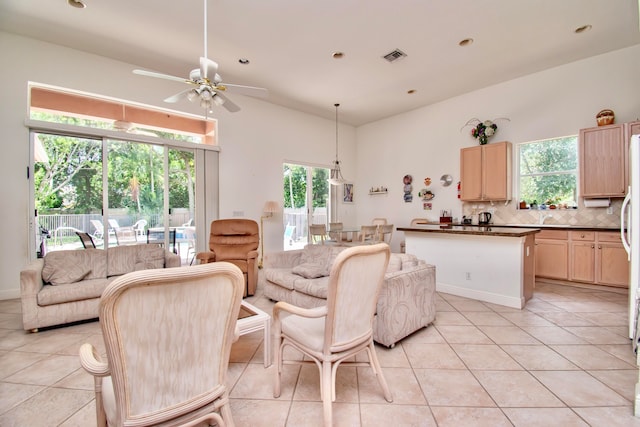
{"x": 630, "y": 232}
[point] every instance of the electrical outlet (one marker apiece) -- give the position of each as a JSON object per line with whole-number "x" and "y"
{"x": 238, "y": 213}
{"x": 610, "y": 210}
{"x": 468, "y": 275}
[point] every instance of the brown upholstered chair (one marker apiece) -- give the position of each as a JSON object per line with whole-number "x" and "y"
{"x": 235, "y": 241}
{"x": 168, "y": 335}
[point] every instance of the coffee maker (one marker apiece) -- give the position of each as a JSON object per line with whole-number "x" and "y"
{"x": 484, "y": 218}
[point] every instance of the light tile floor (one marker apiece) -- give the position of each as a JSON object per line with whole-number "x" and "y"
{"x": 564, "y": 360}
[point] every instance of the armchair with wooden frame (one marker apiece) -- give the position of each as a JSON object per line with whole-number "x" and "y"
{"x": 235, "y": 241}
{"x": 331, "y": 335}
{"x": 168, "y": 336}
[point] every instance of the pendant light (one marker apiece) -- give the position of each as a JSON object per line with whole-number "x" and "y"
{"x": 336, "y": 174}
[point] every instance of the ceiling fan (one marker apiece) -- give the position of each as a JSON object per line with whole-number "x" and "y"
{"x": 206, "y": 84}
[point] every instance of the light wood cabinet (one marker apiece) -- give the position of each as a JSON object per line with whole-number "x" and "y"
{"x": 485, "y": 172}
{"x": 552, "y": 254}
{"x": 603, "y": 159}
{"x": 612, "y": 263}
{"x": 582, "y": 256}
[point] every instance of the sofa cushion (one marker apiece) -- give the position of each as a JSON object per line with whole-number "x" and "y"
{"x": 310, "y": 270}
{"x": 70, "y": 266}
{"x": 125, "y": 259}
{"x": 79, "y": 291}
{"x": 314, "y": 287}
{"x": 281, "y": 276}
{"x": 149, "y": 258}
{"x": 322, "y": 255}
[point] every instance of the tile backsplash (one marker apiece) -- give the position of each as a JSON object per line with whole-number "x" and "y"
{"x": 510, "y": 214}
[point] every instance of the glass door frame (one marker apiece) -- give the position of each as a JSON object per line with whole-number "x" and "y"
{"x": 206, "y": 182}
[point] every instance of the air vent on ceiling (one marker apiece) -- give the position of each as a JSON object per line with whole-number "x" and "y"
{"x": 394, "y": 55}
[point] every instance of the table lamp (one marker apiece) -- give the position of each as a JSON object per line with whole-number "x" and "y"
{"x": 270, "y": 207}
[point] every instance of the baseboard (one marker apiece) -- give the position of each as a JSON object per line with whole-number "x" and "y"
{"x": 10, "y": 294}
{"x": 507, "y": 301}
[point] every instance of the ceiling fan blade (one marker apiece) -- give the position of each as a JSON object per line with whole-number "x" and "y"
{"x": 207, "y": 67}
{"x": 257, "y": 92}
{"x": 230, "y": 106}
{"x": 178, "y": 96}
{"x": 161, "y": 76}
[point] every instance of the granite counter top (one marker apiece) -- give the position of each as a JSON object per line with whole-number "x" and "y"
{"x": 471, "y": 230}
{"x": 560, "y": 226}
{"x": 542, "y": 226}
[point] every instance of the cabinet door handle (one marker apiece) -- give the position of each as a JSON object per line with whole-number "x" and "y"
{"x": 599, "y": 246}
{"x": 582, "y": 236}
{"x": 592, "y": 246}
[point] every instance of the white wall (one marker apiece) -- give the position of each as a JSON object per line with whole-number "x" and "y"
{"x": 426, "y": 142}
{"x": 254, "y": 142}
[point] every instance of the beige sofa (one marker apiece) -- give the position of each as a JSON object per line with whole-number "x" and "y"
{"x": 65, "y": 286}
{"x": 406, "y": 302}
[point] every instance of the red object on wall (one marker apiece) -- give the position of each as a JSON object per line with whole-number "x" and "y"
{"x": 458, "y": 189}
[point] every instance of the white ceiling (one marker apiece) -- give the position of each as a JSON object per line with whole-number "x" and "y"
{"x": 290, "y": 43}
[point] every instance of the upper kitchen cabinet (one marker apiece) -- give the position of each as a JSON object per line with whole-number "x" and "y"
{"x": 603, "y": 152}
{"x": 485, "y": 172}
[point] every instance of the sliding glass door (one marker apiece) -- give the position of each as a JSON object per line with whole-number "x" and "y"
{"x": 306, "y": 201}
{"x": 67, "y": 191}
{"x": 149, "y": 191}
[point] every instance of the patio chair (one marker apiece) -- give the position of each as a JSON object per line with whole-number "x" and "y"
{"x": 140, "y": 226}
{"x": 99, "y": 229}
{"x": 85, "y": 239}
{"x": 288, "y": 234}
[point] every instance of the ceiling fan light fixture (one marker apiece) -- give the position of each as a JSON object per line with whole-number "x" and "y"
{"x": 193, "y": 95}
{"x": 217, "y": 99}
{"x": 206, "y": 94}
{"x": 336, "y": 174}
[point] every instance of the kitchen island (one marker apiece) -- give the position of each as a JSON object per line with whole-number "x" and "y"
{"x": 491, "y": 264}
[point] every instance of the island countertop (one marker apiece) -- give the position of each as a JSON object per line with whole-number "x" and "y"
{"x": 471, "y": 230}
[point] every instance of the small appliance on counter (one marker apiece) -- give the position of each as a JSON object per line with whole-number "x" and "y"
{"x": 466, "y": 220}
{"x": 484, "y": 218}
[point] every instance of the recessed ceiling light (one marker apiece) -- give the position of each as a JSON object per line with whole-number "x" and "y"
{"x": 338, "y": 55}
{"x": 76, "y": 3}
{"x": 410, "y": 91}
{"x": 582, "y": 29}
{"x": 465, "y": 42}
{"x": 243, "y": 61}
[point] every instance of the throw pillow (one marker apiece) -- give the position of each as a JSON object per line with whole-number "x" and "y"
{"x": 149, "y": 258}
{"x": 309, "y": 270}
{"x": 61, "y": 267}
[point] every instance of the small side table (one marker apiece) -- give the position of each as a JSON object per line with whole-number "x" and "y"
{"x": 253, "y": 319}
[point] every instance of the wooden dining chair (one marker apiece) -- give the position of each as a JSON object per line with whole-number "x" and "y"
{"x": 368, "y": 234}
{"x": 318, "y": 233}
{"x": 379, "y": 221}
{"x": 385, "y": 232}
{"x": 335, "y": 231}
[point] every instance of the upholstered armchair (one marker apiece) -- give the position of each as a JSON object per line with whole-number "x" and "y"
{"x": 168, "y": 336}
{"x": 235, "y": 241}
{"x": 331, "y": 335}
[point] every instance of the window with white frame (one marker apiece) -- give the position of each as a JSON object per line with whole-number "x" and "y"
{"x": 548, "y": 172}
